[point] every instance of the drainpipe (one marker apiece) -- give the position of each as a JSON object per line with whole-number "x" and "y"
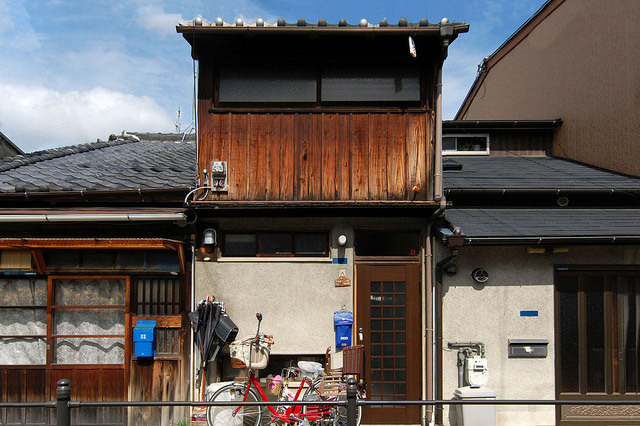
{"x": 193, "y": 308}
{"x": 434, "y": 329}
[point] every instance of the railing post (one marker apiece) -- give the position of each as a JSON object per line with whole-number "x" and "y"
{"x": 352, "y": 408}
{"x": 63, "y": 417}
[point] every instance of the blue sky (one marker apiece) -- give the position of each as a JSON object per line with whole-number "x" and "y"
{"x": 73, "y": 71}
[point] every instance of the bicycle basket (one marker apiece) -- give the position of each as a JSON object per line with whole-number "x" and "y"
{"x": 242, "y": 351}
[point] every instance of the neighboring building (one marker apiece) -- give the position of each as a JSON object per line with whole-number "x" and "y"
{"x": 575, "y": 59}
{"x": 8, "y": 148}
{"x": 560, "y": 242}
{"x": 310, "y": 133}
{"x": 94, "y": 238}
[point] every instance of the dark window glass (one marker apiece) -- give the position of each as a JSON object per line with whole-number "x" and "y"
{"x": 594, "y": 289}
{"x": 471, "y": 143}
{"x": 280, "y": 243}
{"x": 98, "y": 259}
{"x": 387, "y": 243}
{"x": 370, "y": 83}
{"x": 162, "y": 260}
{"x": 240, "y": 245}
{"x": 276, "y": 243}
{"x": 568, "y": 298}
{"x": 448, "y": 143}
{"x": 267, "y": 84}
{"x": 63, "y": 259}
{"x": 311, "y": 243}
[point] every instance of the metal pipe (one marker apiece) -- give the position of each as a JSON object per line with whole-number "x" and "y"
{"x": 97, "y": 217}
{"x": 427, "y": 372}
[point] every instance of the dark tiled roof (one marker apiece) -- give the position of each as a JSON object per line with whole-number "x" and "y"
{"x": 530, "y": 173}
{"x": 546, "y": 223}
{"x": 154, "y": 162}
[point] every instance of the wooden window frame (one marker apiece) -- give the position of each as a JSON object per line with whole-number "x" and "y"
{"x": 50, "y": 316}
{"x": 612, "y": 368}
{"x": 468, "y": 135}
{"x": 292, "y": 233}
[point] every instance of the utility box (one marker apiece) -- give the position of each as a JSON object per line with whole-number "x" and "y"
{"x": 144, "y": 339}
{"x": 343, "y": 323}
{"x": 477, "y": 371}
{"x": 476, "y": 414}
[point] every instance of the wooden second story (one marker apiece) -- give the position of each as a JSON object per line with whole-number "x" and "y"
{"x": 298, "y": 113}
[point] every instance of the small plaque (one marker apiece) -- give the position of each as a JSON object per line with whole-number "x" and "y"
{"x": 342, "y": 281}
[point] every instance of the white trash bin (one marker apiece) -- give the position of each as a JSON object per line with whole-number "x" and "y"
{"x": 476, "y": 414}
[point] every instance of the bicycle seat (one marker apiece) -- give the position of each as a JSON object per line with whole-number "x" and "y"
{"x": 310, "y": 368}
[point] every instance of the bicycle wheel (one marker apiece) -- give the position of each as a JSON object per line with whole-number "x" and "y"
{"x": 313, "y": 394}
{"x": 224, "y": 415}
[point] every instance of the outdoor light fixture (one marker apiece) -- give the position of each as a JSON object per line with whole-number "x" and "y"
{"x": 210, "y": 237}
{"x": 342, "y": 240}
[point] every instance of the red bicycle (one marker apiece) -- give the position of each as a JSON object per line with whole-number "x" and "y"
{"x": 253, "y": 354}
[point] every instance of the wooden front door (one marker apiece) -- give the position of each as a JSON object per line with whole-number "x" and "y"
{"x": 388, "y": 311}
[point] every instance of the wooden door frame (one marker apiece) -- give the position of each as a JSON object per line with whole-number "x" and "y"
{"x": 127, "y": 327}
{"x": 411, "y": 266}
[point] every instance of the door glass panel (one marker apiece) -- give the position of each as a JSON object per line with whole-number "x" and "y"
{"x": 594, "y": 290}
{"x": 568, "y": 299}
{"x": 89, "y": 321}
{"x": 91, "y": 292}
{"x": 22, "y": 351}
{"x": 104, "y": 323}
{"x": 95, "y": 350}
{"x": 628, "y": 328}
{"x": 388, "y": 347}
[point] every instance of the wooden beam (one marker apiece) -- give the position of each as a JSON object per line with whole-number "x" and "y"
{"x": 38, "y": 259}
{"x": 89, "y": 243}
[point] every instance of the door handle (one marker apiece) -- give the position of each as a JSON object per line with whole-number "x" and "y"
{"x": 361, "y": 335}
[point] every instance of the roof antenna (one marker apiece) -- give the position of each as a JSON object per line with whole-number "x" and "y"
{"x": 177, "y": 122}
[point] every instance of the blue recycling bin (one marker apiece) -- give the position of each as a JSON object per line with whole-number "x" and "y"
{"x": 144, "y": 339}
{"x": 343, "y": 324}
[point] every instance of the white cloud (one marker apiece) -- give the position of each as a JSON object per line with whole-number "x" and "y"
{"x": 154, "y": 20}
{"x": 36, "y": 117}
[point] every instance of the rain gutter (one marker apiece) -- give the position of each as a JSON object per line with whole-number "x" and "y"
{"x": 93, "y": 217}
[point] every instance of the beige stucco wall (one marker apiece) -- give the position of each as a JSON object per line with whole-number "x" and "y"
{"x": 580, "y": 64}
{"x": 296, "y": 296}
{"x": 491, "y": 314}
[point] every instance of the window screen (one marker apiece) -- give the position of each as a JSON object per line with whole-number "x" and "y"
{"x": 267, "y": 84}
{"x": 370, "y": 83}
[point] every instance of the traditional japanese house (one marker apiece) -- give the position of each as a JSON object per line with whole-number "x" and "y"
{"x": 318, "y": 158}
{"x": 93, "y": 239}
{"x": 539, "y": 260}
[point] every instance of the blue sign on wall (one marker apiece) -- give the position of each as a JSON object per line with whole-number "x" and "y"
{"x": 528, "y": 313}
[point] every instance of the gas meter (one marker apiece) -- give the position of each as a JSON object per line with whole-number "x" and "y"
{"x": 477, "y": 371}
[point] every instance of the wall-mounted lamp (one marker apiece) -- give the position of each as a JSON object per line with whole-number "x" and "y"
{"x": 210, "y": 238}
{"x": 342, "y": 240}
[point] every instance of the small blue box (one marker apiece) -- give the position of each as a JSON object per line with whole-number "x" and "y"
{"x": 144, "y": 338}
{"x": 343, "y": 321}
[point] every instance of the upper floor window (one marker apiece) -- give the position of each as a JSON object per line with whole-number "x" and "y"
{"x": 276, "y": 243}
{"x": 328, "y": 84}
{"x": 465, "y": 144}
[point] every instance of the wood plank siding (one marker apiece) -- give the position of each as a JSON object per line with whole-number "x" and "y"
{"x": 318, "y": 156}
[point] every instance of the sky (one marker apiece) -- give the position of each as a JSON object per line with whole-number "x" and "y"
{"x": 73, "y": 71}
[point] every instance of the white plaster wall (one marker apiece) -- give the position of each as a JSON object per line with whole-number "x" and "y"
{"x": 491, "y": 314}
{"x": 296, "y": 296}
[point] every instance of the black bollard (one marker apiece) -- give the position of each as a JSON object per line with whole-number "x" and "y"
{"x": 352, "y": 407}
{"x": 62, "y": 405}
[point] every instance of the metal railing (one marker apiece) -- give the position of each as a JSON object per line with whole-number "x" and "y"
{"x": 64, "y": 404}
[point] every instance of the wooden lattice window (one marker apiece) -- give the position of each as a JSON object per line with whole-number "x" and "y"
{"x": 157, "y": 296}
